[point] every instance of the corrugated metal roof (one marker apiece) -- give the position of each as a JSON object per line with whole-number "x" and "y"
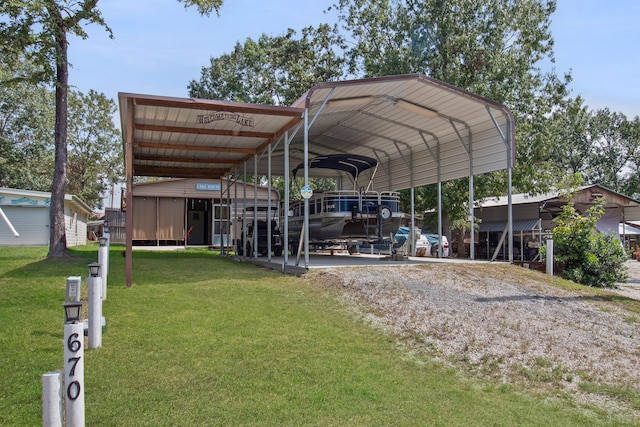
{"x": 555, "y": 201}
{"x": 195, "y": 138}
{"x": 421, "y": 131}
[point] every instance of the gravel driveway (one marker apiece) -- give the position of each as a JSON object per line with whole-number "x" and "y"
{"x": 501, "y": 321}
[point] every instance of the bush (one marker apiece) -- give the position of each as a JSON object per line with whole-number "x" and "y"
{"x": 590, "y": 257}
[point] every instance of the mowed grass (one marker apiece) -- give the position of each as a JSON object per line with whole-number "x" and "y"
{"x": 204, "y": 340}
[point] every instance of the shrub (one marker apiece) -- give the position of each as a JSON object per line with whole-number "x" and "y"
{"x": 590, "y": 257}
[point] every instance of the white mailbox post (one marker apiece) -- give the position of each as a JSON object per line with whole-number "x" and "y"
{"x": 73, "y": 364}
{"x": 94, "y": 323}
{"x": 52, "y": 399}
{"x": 103, "y": 258}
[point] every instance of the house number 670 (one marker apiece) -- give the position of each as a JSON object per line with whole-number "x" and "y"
{"x": 73, "y": 344}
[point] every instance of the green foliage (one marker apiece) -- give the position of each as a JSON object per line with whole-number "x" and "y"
{"x": 27, "y": 116}
{"x": 273, "y": 70}
{"x": 27, "y": 113}
{"x": 205, "y": 7}
{"x": 589, "y": 257}
{"x": 95, "y": 151}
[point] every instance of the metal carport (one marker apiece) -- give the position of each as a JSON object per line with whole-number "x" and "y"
{"x": 421, "y": 130}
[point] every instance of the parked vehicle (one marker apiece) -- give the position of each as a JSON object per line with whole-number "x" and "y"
{"x": 245, "y": 246}
{"x": 433, "y": 240}
{"x": 355, "y": 213}
{"x": 426, "y": 244}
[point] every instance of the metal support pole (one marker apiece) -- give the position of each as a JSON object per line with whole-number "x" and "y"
{"x": 74, "y": 374}
{"x": 52, "y": 399}
{"x": 306, "y": 183}
{"x": 285, "y": 243}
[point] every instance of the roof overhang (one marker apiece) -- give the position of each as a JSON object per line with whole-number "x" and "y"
{"x": 552, "y": 203}
{"x": 196, "y": 138}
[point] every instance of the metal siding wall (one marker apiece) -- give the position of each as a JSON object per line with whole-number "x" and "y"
{"x": 76, "y": 230}
{"x": 31, "y": 223}
{"x": 171, "y": 219}
{"x": 145, "y": 219}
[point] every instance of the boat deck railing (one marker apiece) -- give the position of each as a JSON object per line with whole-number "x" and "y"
{"x": 367, "y": 202}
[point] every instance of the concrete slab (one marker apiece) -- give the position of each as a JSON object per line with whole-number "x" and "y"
{"x": 342, "y": 260}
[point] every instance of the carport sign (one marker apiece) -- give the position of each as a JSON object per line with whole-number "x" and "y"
{"x": 203, "y": 186}
{"x": 306, "y": 192}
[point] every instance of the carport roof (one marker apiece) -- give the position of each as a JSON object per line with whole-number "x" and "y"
{"x": 420, "y": 130}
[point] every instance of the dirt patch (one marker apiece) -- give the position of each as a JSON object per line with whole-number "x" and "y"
{"x": 501, "y": 321}
{"x": 631, "y": 289}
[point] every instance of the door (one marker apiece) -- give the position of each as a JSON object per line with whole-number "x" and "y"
{"x": 199, "y": 222}
{"x": 221, "y": 225}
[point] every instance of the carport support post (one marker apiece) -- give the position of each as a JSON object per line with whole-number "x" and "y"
{"x": 306, "y": 183}
{"x": 285, "y": 243}
{"x": 255, "y": 206}
{"x": 269, "y": 202}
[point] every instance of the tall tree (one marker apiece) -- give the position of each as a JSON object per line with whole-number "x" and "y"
{"x": 273, "y": 70}
{"x": 632, "y": 132}
{"x": 38, "y": 30}
{"x": 95, "y": 152}
{"x": 612, "y": 149}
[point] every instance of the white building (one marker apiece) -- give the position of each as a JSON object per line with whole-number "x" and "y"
{"x": 27, "y": 212}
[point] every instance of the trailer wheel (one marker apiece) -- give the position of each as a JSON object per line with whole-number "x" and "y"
{"x": 385, "y": 213}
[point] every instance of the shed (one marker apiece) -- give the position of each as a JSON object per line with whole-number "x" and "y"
{"x": 194, "y": 212}
{"x": 533, "y": 215}
{"x": 27, "y": 212}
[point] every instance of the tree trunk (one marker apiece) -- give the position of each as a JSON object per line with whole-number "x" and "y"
{"x": 57, "y": 232}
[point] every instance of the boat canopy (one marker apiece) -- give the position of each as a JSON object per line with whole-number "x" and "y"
{"x": 351, "y": 163}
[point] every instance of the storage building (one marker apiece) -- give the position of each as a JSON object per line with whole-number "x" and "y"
{"x": 27, "y": 212}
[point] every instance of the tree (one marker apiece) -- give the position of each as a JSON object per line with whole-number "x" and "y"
{"x": 602, "y": 146}
{"x": 273, "y": 70}
{"x": 38, "y": 31}
{"x": 631, "y": 131}
{"x": 571, "y": 146}
{"x": 95, "y": 152}
{"x": 589, "y": 257}
{"x": 27, "y": 115}
{"x": 612, "y": 148}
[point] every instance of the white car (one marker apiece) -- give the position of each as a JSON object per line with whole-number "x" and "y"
{"x": 433, "y": 245}
{"x": 426, "y": 244}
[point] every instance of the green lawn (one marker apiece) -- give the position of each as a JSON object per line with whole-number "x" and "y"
{"x": 204, "y": 340}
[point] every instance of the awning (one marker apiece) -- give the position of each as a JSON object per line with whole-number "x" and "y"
{"x": 196, "y": 138}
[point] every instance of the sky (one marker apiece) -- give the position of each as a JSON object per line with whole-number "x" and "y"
{"x": 159, "y": 46}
